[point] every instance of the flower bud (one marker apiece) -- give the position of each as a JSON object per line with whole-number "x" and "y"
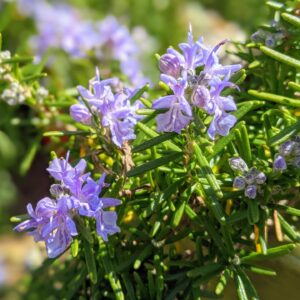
{"x": 80, "y": 113}
{"x": 239, "y": 183}
{"x": 279, "y": 163}
{"x": 250, "y": 191}
{"x": 169, "y": 64}
{"x": 270, "y": 41}
{"x": 260, "y": 178}
{"x": 238, "y": 164}
{"x": 286, "y": 148}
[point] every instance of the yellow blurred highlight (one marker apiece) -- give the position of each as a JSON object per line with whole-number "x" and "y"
{"x": 107, "y": 159}
{"x": 129, "y": 216}
{"x": 229, "y": 204}
{"x": 257, "y": 244}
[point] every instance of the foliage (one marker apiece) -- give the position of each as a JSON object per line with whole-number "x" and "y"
{"x": 182, "y": 223}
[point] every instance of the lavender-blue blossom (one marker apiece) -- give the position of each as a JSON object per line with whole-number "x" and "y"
{"x": 62, "y": 26}
{"x": 249, "y": 180}
{"x": 201, "y": 88}
{"x": 116, "y": 42}
{"x": 74, "y": 194}
{"x": 288, "y": 155}
{"x": 179, "y": 112}
{"x": 279, "y": 163}
{"x": 113, "y": 110}
{"x": 238, "y": 164}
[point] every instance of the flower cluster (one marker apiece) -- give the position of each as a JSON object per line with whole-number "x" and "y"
{"x": 196, "y": 77}
{"x": 13, "y": 93}
{"x": 117, "y": 43}
{"x": 249, "y": 180}
{"x": 61, "y": 26}
{"x": 269, "y": 38}
{"x": 288, "y": 154}
{"x": 114, "y": 110}
{"x": 75, "y": 193}
{"x": 13, "y": 90}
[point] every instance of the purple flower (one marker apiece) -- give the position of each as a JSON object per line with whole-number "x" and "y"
{"x": 80, "y": 113}
{"x": 113, "y": 110}
{"x": 279, "y": 163}
{"x": 169, "y": 64}
{"x": 60, "y": 169}
{"x": 286, "y": 149}
{"x": 179, "y": 112}
{"x": 93, "y": 206}
{"x": 251, "y": 191}
{"x": 61, "y": 26}
{"x": 260, "y": 178}
{"x": 238, "y": 164}
{"x": 239, "y": 183}
{"x": 250, "y": 181}
{"x": 60, "y": 228}
{"x": 75, "y": 194}
{"x": 221, "y": 124}
{"x": 116, "y": 42}
{"x": 289, "y": 154}
{"x": 51, "y": 222}
{"x": 193, "y": 52}
{"x": 201, "y": 88}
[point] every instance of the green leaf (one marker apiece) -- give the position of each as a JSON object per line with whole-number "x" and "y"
{"x": 285, "y": 134}
{"x": 19, "y": 218}
{"x": 159, "y": 277}
{"x": 290, "y": 61}
{"x": 83, "y": 229}
{"x": 146, "y": 252}
{"x": 178, "y": 215}
{"x": 67, "y": 133}
{"x": 213, "y": 268}
{"x": 261, "y": 271}
{"x": 154, "y": 164}
{"x": 293, "y": 85}
{"x": 224, "y": 278}
{"x": 253, "y": 211}
{"x": 224, "y": 141}
{"x": 90, "y": 262}
{"x": 275, "y": 5}
{"x": 207, "y": 171}
{"x": 237, "y": 216}
{"x": 282, "y": 100}
{"x": 139, "y": 93}
{"x": 151, "y": 133}
{"x": 240, "y": 288}
{"x": 288, "y": 229}
{"x": 247, "y": 106}
{"x": 155, "y": 141}
{"x": 75, "y": 247}
{"x": 141, "y": 287}
{"x": 29, "y": 156}
{"x": 16, "y": 60}
{"x": 294, "y": 20}
{"x": 249, "y": 288}
{"x": 129, "y": 286}
{"x": 246, "y": 144}
{"x": 272, "y": 252}
{"x": 290, "y": 210}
